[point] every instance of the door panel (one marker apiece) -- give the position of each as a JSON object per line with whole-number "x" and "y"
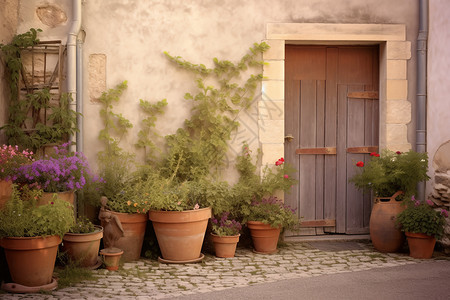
{"x": 331, "y": 106}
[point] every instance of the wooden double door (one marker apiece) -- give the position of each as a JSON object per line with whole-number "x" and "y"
{"x": 332, "y": 121}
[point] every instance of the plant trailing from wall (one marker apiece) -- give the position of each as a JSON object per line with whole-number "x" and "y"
{"x": 34, "y": 119}
{"x": 203, "y": 141}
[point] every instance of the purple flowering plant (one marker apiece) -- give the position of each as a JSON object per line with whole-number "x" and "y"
{"x": 59, "y": 172}
{"x": 423, "y": 217}
{"x": 11, "y": 158}
{"x": 225, "y": 226}
{"x": 274, "y": 212}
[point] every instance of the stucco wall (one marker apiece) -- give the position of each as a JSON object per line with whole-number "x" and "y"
{"x": 8, "y": 25}
{"x": 132, "y": 36}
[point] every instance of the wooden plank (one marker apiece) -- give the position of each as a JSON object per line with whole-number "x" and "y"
{"x": 313, "y": 151}
{"x": 364, "y": 95}
{"x": 362, "y": 150}
{"x": 320, "y": 159}
{"x": 341, "y": 181}
{"x": 330, "y": 136}
{"x": 318, "y": 223}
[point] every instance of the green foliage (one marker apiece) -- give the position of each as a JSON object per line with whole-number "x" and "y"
{"x": 392, "y": 172}
{"x": 224, "y": 226}
{"x": 82, "y": 225}
{"x": 421, "y": 217}
{"x": 33, "y": 121}
{"x": 69, "y": 273}
{"x": 203, "y": 141}
{"x": 11, "y": 54}
{"x": 147, "y": 134}
{"x": 272, "y": 211}
{"x": 22, "y": 218}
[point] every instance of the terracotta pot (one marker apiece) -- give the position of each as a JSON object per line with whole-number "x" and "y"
{"x": 82, "y": 248}
{"x": 134, "y": 231}
{"x": 180, "y": 234}
{"x": 5, "y": 192}
{"x": 225, "y": 246}
{"x": 67, "y": 196}
{"x": 111, "y": 258}
{"x": 384, "y": 232}
{"x": 264, "y": 237}
{"x": 420, "y": 245}
{"x": 31, "y": 260}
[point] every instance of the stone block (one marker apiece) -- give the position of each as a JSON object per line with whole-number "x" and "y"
{"x": 271, "y": 153}
{"x": 399, "y": 147}
{"x": 276, "y": 50}
{"x": 398, "y": 50}
{"x": 396, "y": 69}
{"x": 271, "y": 109}
{"x": 273, "y": 90}
{"x": 396, "y": 89}
{"x": 271, "y": 131}
{"x": 398, "y": 112}
{"x": 97, "y": 76}
{"x": 442, "y": 178}
{"x": 274, "y": 70}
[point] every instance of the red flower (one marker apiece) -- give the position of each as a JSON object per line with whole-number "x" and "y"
{"x": 360, "y": 164}
{"x": 279, "y": 162}
{"x": 286, "y": 176}
{"x": 398, "y": 152}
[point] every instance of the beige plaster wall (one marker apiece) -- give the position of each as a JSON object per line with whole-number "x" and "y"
{"x": 8, "y": 25}
{"x": 132, "y": 36}
{"x": 438, "y": 115}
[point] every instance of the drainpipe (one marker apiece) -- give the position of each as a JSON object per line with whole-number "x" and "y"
{"x": 421, "y": 101}
{"x": 71, "y": 53}
{"x": 79, "y": 90}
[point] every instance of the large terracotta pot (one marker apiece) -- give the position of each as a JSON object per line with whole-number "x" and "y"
{"x": 31, "y": 260}
{"x": 420, "y": 245}
{"x": 384, "y": 232}
{"x": 82, "y": 248}
{"x": 5, "y": 192}
{"x": 134, "y": 231}
{"x": 225, "y": 246}
{"x": 180, "y": 234}
{"x": 264, "y": 237}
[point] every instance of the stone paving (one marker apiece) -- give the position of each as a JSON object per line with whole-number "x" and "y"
{"x": 148, "y": 279}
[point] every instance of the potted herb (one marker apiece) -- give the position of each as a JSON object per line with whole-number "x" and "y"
{"x": 225, "y": 235}
{"x": 82, "y": 243}
{"x": 391, "y": 176}
{"x": 26, "y": 230}
{"x": 11, "y": 158}
{"x": 423, "y": 225}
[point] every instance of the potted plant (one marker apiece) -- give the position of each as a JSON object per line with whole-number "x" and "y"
{"x": 225, "y": 235}
{"x": 10, "y": 159}
{"x": 423, "y": 225}
{"x": 267, "y": 218}
{"x": 82, "y": 243}
{"x": 30, "y": 235}
{"x": 391, "y": 176}
{"x": 63, "y": 172}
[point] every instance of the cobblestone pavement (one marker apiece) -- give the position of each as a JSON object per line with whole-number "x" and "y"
{"x": 148, "y": 279}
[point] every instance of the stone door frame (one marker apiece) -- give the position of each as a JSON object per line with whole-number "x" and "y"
{"x": 395, "y": 50}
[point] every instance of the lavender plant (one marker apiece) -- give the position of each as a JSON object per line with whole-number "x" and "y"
{"x": 225, "y": 226}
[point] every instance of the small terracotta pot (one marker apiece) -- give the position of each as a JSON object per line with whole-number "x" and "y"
{"x": 83, "y": 247}
{"x": 420, "y": 245}
{"x": 225, "y": 246}
{"x": 134, "y": 231}
{"x": 180, "y": 234}
{"x": 264, "y": 237}
{"x": 111, "y": 257}
{"x": 31, "y": 260}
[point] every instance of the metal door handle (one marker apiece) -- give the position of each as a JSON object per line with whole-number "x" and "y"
{"x": 288, "y": 138}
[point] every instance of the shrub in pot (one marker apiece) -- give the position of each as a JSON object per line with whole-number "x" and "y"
{"x": 225, "y": 234}
{"x": 423, "y": 225}
{"x": 27, "y": 230}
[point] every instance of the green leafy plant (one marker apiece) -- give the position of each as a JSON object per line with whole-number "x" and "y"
{"x": 225, "y": 227}
{"x": 22, "y": 218}
{"x": 421, "y": 217}
{"x": 82, "y": 225}
{"x": 391, "y": 171}
{"x": 274, "y": 212}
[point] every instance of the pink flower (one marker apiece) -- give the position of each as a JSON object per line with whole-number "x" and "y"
{"x": 429, "y": 202}
{"x": 286, "y": 176}
{"x": 444, "y": 213}
{"x": 360, "y": 164}
{"x": 196, "y": 206}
